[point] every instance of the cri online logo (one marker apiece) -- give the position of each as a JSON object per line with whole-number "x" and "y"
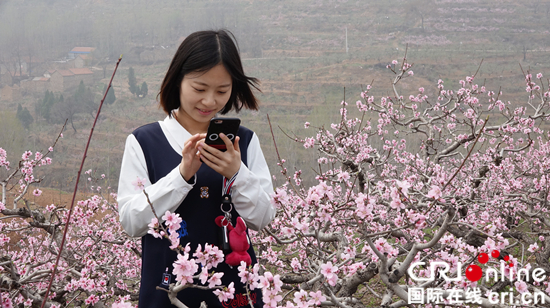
{"x": 474, "y": 272}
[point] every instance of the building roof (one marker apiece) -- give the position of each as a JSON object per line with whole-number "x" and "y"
{"x": 82, "y": 49}
{"x": 81, "y": 71}
{"x": 40, "y": 79}
{"x": 65, "y": 73}
{"x": 75, "y": 71}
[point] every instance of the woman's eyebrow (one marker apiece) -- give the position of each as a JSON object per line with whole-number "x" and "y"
{"x": 206, "y": 85}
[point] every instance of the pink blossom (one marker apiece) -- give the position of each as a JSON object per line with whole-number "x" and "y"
{"x": 225, "y": 294}
{"x": 343, "y": 176}
{"x": 521, "y": 286}
{"x": 153, "y": 225}
{"x": 6, "y": 301}
{"x": 210, "y": 257}
{"x": 37, "y": 192}
{"x": 295, "y": 264}
{"x": 434, "y": 193}
{"x": 174, "y": 239}
{"x": 184, "y": 269}
{"x": 249, "y": 277}
{"x": 404, "y": 186}
{"x": 268, "y": 281}
{"x": 317, "y": 297}
{"x": 533, "y": 247}
{"x": 203, "y": 277}
{"x": 139, "y": 184}
{"x": 122, "y": 304}
{"x": 92, "y": 300}
{"x": 309, "y": 143}
{"x": 26, "y": 155}
{"x": 330, "y": 272}
{"x": 172, "y": 219}
{"x": 271, "y": 299}
{"x": 397, "y": 204}
{"x": 300, "y": 298}
{"x": 215, "y": 280}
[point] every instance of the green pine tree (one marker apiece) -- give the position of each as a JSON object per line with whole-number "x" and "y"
{"x": 132, "y": 82}
{"x": 24, "y": 116}
{"x": 144, "y": 89}
{"x": 47, "y": 103}
{"x": 80, "y": 92}
{"x": 110, "y": 98}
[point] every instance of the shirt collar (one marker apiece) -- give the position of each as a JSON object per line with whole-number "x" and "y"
{"x": 175, "y": 132}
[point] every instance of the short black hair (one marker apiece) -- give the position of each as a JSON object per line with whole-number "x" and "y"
{"x": 200, "y": 52}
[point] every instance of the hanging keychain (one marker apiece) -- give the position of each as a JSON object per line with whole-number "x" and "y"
{"x": 226, "y": 207}
{"x": 234, "y": 240}
{"x": 224, "y": 223}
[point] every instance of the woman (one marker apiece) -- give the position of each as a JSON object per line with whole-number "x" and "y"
{"x": 184, "y": 175}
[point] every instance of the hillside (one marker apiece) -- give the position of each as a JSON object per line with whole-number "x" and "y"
{"x": 296, "y": 48}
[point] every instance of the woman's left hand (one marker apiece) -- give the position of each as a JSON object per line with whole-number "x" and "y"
{"x": 225, "y": 163}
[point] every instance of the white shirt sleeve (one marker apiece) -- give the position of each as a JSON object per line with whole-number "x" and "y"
{"x": 166, "y": 194}
{"x": 252, "y": 189}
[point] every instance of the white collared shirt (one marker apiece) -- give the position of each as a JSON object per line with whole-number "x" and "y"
{"x": 250, "y": 192}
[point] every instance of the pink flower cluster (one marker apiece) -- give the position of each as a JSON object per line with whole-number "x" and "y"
{"x": 398, "y": 173}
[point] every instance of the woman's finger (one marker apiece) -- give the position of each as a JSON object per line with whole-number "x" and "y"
{"x": 206, "y": 154}
{"x": 236, "y": 144}
{"x": 192, "y": 141}
{"x": 227, "y": 142}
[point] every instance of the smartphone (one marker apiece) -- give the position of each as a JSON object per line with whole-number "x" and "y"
{"x": 228, "y": 126}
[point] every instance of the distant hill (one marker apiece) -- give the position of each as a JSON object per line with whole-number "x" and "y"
{"x": 298, "y": 49}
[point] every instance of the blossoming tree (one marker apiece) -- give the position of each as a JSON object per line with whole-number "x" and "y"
{"x": 426, "y": 201}
{"x": 99, "y": 264}
{"x": 452, "y": 179}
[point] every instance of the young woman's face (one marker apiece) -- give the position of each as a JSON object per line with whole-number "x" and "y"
{"x": 202, "y": 95}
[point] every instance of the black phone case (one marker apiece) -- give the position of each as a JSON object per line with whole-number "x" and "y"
{"x": 228, "y": 126}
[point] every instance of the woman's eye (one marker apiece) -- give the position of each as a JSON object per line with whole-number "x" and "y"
{"x": 221, "y": 92}
{"x": 198, "y": 90}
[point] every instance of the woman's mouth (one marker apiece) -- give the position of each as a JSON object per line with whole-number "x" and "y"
{"x": 205, "y": 111}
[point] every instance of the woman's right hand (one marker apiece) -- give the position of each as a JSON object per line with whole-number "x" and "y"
{"x": 190, "y": 157}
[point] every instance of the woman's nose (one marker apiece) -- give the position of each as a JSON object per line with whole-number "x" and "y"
{"x": 209, "y": 100}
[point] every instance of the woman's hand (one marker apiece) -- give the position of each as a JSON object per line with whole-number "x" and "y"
{"x": 190, "y": 160}
{"x": 225, "y": 163}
